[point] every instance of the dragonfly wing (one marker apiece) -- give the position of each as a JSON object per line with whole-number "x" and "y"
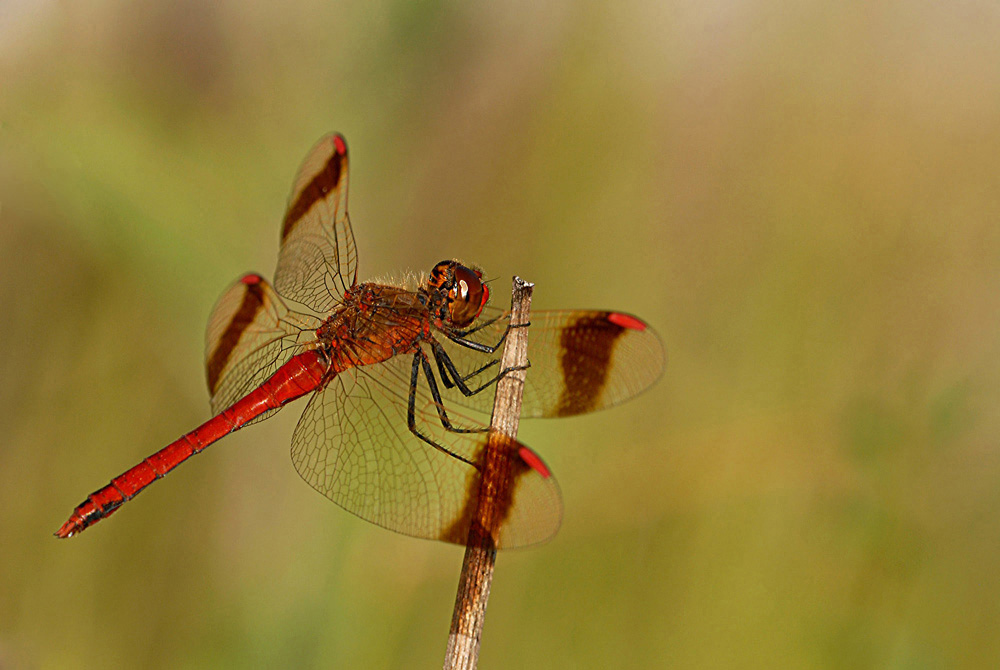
{"x": 580, "y": 361}
{"x": 318, "y": 261}
{"x": 250, "y": 335}
{"x": 353, "y": 445}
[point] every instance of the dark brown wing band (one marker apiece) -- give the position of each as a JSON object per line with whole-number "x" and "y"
{"x": 587, "y": 345}
{"x": 514, "y": 466}
{"x": 326, "y": 180}
{"x": 245, "y": 314}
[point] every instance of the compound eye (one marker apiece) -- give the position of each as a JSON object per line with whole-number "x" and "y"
{"x": 467, "y": 297}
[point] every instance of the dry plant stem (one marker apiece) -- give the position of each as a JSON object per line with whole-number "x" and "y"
{"x": 480, "y": 549}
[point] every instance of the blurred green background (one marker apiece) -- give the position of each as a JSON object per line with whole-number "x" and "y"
{"x": 802, "y": 197}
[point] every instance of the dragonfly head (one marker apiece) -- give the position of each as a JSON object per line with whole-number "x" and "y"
{"x": 456, "y": 293}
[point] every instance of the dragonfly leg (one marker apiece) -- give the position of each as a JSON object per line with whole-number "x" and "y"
{"x": 419, "y": 361}
{"x": 425, "y": 364}
{"x": 460, "y": 337}
{"x": 445, "y": 364}
{"x": 484, "y": 324}
{"x": 440, "y": 356}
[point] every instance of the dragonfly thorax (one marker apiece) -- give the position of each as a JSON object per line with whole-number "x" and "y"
{"x": 373, "y": 323}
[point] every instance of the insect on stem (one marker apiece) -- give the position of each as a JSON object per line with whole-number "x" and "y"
{"x": 480, "y": 549}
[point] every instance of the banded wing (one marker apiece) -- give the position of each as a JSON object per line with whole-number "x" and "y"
{"x": 580, "y": 361}
{"x": 251, "y": 333}
{"x": 353, "y": 445}
{"x": 318, "y": 261}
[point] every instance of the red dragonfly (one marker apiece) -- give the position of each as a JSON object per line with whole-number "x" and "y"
{"x": 385, "y": 365}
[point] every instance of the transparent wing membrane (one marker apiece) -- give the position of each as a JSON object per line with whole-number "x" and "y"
{"x": 353, "y": 445}
{"x": 318, "y": 261}
{"x": 579, "y": 361}
{"x": 250, "y": 335}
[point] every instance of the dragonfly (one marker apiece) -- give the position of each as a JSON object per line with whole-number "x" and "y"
{"x": 395, "y": 374}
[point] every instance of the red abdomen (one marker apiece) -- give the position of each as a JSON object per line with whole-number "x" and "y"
{"x": 300, "y": 375}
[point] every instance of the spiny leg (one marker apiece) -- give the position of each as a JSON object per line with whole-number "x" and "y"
{"x": 419, "y": 359}
{"x": 459, "y": 337}
{"x": 425, "y": 364}
{"x": 448, "y": 369}
{"x": 440, "y": 356}
{"x": 484, "y": 324}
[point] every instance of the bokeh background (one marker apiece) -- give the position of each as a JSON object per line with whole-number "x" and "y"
{"x": 802, "y": 197}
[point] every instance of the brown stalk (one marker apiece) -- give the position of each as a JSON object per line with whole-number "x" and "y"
{"x": 480, "y": 548}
